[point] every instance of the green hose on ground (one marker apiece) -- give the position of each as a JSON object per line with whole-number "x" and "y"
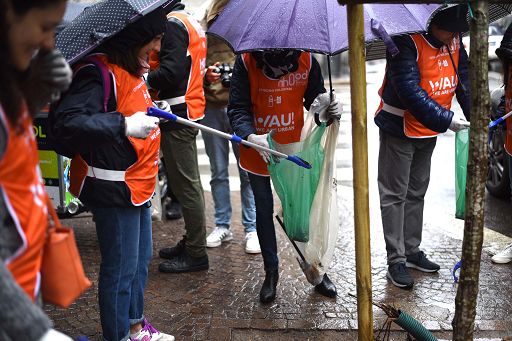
{"x": 416, "y": 329}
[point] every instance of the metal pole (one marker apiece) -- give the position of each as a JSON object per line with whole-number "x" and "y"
{"x": 360, "y": 165}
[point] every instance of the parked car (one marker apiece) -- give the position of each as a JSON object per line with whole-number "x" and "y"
{"x": 495, "y": 37}
{"x": 498, "y": 181}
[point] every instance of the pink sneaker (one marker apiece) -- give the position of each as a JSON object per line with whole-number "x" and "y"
{"x": 149, "y": 333}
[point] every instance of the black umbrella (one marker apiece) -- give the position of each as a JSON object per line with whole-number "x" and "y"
{"x": 100, "y": 21}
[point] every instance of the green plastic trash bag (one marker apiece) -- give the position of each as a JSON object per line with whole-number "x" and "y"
{"x": 461, "y": 163}
{"x": 296, "y": 186}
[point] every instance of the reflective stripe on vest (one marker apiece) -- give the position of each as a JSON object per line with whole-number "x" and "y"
{"x": 508, "y": 108}
{"x": 194, "y": 96}
{"x": 437, "y": 77}
{"x": 140, "y": 177}
{"x": 25, "y": 197}
{"x": 276, "y": 104}
{"x": 105, "y": 174}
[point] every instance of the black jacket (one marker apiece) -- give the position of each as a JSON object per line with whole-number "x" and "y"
{"x": 240, "y": 104}
{"x": 402, "y": 73}
{"x": 79, "y": 122}
{"x": 171, "y": 78}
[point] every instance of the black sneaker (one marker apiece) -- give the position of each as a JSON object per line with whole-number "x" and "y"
{"x": 399, "y": 276}
{"x": 420, "y": 261}
{"x": 173, "y": 251}
{"x": 184, "y": 263}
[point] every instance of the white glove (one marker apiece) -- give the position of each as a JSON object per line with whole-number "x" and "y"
{"x": 53, "y": 71}
{"x": 140, "y": 125}
{"x": 334, "y": 110}
{"x": 326, "y": 108}
{"x": 262, "y": 141}
{"x": 458, "y": 123}
{"x": 53, "y": 335}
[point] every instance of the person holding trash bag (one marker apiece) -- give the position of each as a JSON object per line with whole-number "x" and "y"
{"x": 115, "y": 167}
{"x": 32, "y": 72}
{"x": 416, "y": 94}
{"x": 179, "y": 82}
{"x": 504, "y": 52}
{"x": 268, "y": 92}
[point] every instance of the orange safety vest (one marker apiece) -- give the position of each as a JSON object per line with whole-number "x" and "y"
{"x": 276, "y": 104}
{"x": 438, "y": 78}
{"x": 194, "y": 96}
{"x": 508, "y": 108}
{"x": 25, "y": 197}
{"x": 131, "y": 96}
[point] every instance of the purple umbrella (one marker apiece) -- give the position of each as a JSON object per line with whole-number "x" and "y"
{"x": 312, "y": 25}
{"x": 321, "y": 25}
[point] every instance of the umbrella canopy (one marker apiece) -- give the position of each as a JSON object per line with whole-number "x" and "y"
{"x": 100, "y": 21}
{"x": 313, "y": 25}
{"x": 320, "y": 25}
{"x": 73, "y": 9}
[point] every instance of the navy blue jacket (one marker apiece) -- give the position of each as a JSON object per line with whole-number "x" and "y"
{"x": 240, "y": 112}
{"x": 402, "y": 90}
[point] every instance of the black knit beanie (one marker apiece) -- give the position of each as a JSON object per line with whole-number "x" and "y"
{"x": 452, "y": 19}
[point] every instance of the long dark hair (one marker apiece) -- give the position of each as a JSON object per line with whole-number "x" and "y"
{"x": 128, "y": 59}
{"x": 12, "y": 81}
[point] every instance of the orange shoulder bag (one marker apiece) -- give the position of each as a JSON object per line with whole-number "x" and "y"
{"x": 62, "y": 275}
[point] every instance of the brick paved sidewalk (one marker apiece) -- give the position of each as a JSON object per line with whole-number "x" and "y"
{"x": 222, "y": 303}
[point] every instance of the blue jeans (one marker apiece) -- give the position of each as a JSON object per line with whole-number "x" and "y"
{"x": 124, "y": 235}
{"x": 217, "y": 149}
{"x": 265, "y": 220}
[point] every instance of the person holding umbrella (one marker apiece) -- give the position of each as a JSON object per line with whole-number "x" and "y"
{"x": 32, "y": 72}
{"x": 115, "y": 164}
{"x": 504, "y": 52}
{"x": 268, "y": 92}
{"x": 417, "y": 93}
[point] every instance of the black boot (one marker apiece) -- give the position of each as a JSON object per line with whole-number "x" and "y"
{"x": 173, "y": 210}
{"x": 268, "y": 289}
{"x": 184, "y": 263}
{"x": 173, "y": 251}
{"x": 326, "y": 287}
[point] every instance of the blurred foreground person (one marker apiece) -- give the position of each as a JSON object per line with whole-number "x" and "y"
{"x": 31, "y": 74}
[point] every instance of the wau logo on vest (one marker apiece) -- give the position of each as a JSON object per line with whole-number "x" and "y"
{"x": 293, "y": 79}
{"x": 445, "y": 83}
{"x": 282, "y": 122}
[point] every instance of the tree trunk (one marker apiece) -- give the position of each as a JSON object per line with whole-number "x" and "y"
{"x": 465, "y": 302}
{"x": 355, "y": 27}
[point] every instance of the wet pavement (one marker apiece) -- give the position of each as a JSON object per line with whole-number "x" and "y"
{"x": 222, "y": 303}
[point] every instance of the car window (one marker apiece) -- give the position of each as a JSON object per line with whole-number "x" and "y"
{"x": 494, "y": 31}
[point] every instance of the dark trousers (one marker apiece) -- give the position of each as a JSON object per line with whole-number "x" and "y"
{"x": 265, "y": 220}
{"x": 180, "y": 155}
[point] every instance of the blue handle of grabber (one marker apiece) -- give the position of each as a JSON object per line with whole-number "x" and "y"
{"x": 495, "y": 123}
{"x": 155, "y": 112}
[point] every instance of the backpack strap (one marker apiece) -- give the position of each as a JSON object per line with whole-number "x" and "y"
{"x": 105, "y": 75}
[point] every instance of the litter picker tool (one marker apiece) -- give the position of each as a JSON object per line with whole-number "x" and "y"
{"x": 155, "y": 112}
{"x": 310, "y": 271}
{"x": 500, "y": 120}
